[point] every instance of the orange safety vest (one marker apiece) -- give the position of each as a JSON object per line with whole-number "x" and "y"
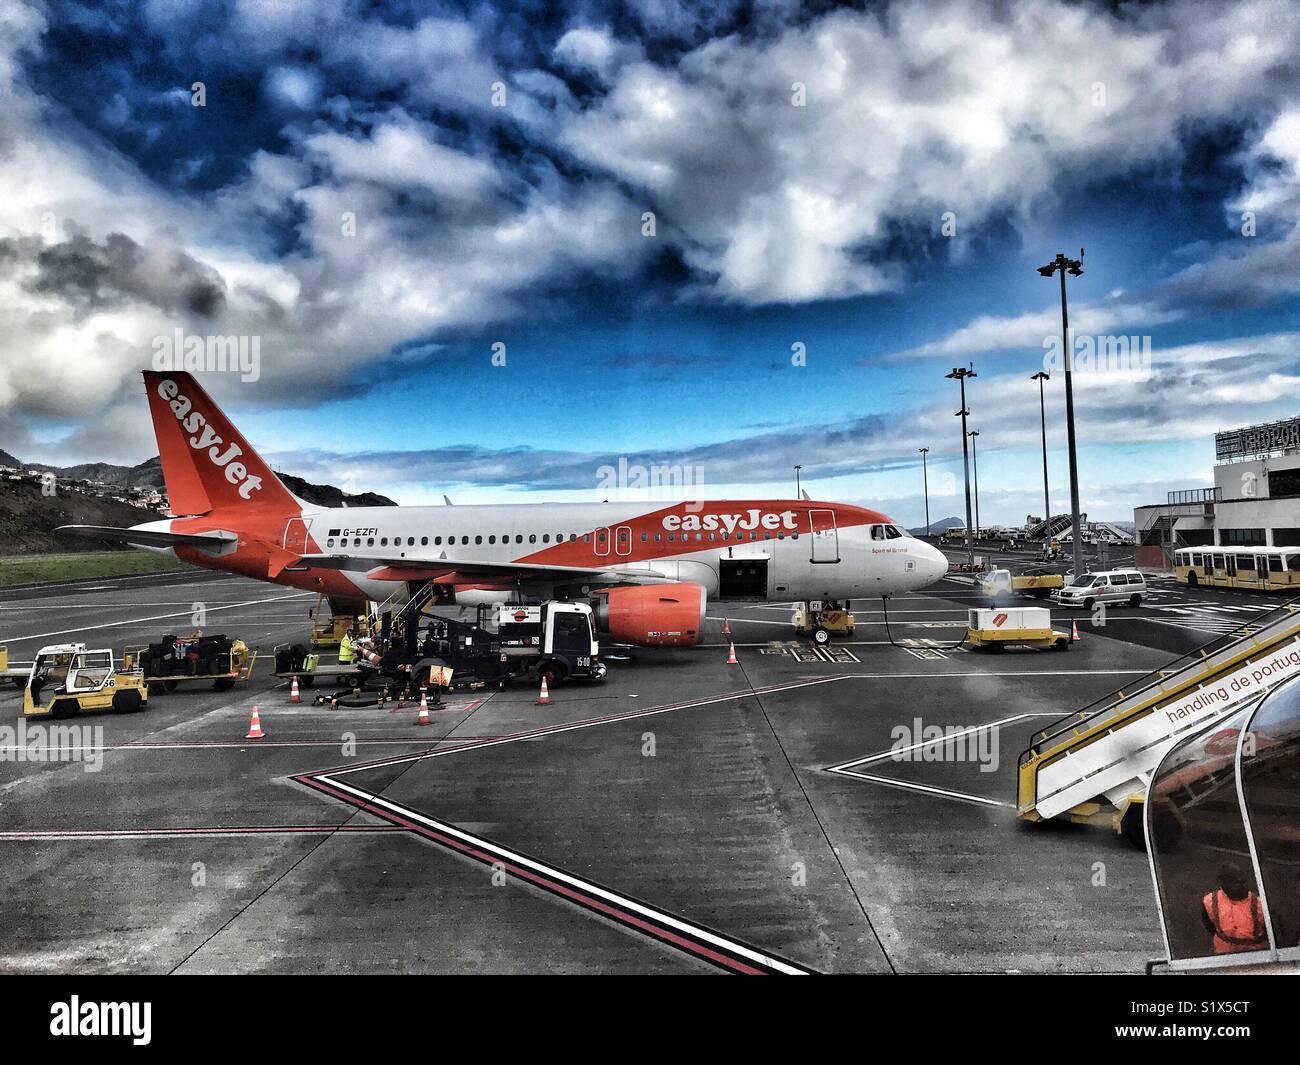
{"x": 1238, "y": 925}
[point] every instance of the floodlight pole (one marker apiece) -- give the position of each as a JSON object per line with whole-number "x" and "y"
{"x": 1062, "y": 265}
{"x": 1041, "y": 377}
{"x": 925, "y": 482}
{"x": 959, "y": 374}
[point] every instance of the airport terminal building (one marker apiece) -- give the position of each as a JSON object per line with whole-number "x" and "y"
{"x": 1255, "y": 501}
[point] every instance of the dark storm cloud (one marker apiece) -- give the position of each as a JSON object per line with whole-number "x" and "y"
{"x": 92, "y": 276}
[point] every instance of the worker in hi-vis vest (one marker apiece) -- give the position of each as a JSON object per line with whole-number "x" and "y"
{"x": 347, "y": 649}
{"x": 1233, "y": 914}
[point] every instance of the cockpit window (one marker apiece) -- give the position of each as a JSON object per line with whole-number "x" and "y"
{"x": 893, "y": 532}
{"x": 877, "y": 532}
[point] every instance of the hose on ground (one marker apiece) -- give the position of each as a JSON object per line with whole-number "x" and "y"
{"x": 884, "y": 607}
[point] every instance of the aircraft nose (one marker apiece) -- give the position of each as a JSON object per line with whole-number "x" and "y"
{"x": 932, "y": 562}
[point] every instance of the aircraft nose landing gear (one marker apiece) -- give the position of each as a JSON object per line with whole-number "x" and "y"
{"x": 821, "y": 620}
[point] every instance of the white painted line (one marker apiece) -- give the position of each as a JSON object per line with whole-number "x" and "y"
{"x": 155, "y": 617}
{"x": 848, "y": 769}
{"x": 574, "y": 726}
{"x": 109, "y": 580}
{"x": 776, "y": 689}
{"x": 927, "y": 788}
{"x": 946, "y": 738}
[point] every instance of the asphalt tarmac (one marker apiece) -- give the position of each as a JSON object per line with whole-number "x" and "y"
{"x": 780, "y": 815}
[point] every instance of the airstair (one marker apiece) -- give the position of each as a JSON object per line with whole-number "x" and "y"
{"x": 1055, "y": 526}
{"x": 1106, "y": 752}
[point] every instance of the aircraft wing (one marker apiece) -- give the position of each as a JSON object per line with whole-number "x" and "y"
{"x": 217, "y": 542}
{"x": 425, "y": 568}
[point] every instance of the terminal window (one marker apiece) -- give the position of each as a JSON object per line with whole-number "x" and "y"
{"x": 1284, "y": 483}
{"x": 1242, "y": 537}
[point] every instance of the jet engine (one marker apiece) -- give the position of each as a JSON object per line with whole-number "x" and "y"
{"x": 652, "y": 615}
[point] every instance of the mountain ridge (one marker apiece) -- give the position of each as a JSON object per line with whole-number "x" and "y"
{"x": 148, "y": 474}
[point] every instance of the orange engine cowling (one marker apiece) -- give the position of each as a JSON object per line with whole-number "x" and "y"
{"x": 652, "y": 615}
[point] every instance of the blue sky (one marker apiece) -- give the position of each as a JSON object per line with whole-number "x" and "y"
{"x": 800, "y": 163}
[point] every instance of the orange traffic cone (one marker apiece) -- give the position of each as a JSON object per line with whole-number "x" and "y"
{"x": 543, "y": 696}
{"x": 726, "y": 627}
{"x": 1074, "y": 632}
{"x": 293, "y": 691}
{"x": 423, "y": 719}
{"x": 731, "y": 655}
{"x": 255, "y": 727}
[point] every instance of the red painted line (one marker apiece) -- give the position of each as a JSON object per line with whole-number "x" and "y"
{"x": 548, "y": 730}
{"x": 240, "y": 830}
{"x": 397, "y": 823}
{"x": 145, "y": 745}
{"x": 546, "y": 883}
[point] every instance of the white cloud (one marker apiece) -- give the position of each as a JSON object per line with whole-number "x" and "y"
{"x": 1034, "y": 328}
{"x": 947, "y": 107}
{"x": 589, "y": 48}
{"x": 294, "y": 87}
{"x": 911, "y": 111}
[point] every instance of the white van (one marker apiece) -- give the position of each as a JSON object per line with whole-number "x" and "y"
{"x": 1112, "y": 586}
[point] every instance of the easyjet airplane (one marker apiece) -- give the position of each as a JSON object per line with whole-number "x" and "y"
{"x": 647, "y": 569}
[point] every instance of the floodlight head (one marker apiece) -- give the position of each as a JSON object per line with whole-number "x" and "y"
{"x": 1042, "y": 375}
{"x": 1048, "y": 270}
{"x": 1075, "y": 270}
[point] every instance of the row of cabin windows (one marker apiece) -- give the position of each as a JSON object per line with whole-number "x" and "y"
{"x": 451, "y": 540}
{"x": 601, "y": 538}
{"x": 699, "y": 537}
{"x": 1275, "y": 563}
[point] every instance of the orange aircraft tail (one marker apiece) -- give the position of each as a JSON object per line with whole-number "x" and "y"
{"x": 206, "y": 462}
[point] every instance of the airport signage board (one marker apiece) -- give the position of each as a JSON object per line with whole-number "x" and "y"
{"x": 1258, "y": 439}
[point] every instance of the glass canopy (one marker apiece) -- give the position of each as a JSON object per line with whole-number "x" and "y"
{"x": 1223, "y": 834}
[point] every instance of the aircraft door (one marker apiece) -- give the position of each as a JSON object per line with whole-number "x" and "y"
{"x": 742, "y": 578}
{"x": 825, "y": 537}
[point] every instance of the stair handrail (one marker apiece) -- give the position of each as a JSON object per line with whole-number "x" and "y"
{"x": 1247, "y": 629}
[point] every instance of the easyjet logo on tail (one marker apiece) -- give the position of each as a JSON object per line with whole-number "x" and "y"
{"x": 729, "y": 523}
{"x": 206, "y": 439}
